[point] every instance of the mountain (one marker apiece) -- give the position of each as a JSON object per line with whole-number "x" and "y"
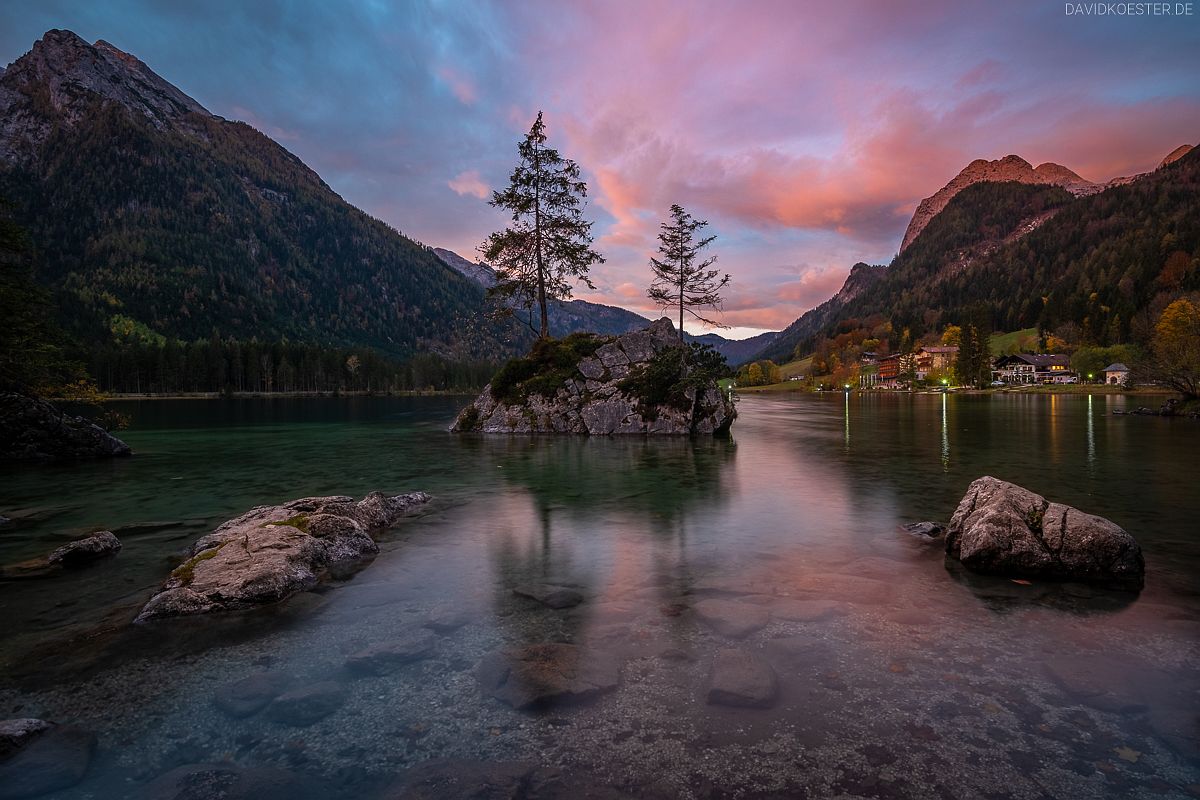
{"x": 579, "y": 315}
{"x": 1009, "y": 168}
{"x": 782, "y": 346}
{"x": 152, "y": 217}
{"x": 1035, "y": 254}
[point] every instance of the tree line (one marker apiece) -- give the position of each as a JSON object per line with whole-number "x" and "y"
{"x": 229, "y": 365}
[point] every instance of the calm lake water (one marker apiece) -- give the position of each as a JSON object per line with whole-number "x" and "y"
{"x": 908, "y": 679}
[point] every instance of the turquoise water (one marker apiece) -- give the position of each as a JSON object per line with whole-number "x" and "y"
{"x": 916, "y": 680}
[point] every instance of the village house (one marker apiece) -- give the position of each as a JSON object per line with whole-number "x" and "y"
{"x": 1116, "y": 374}
{"x": 1030, "y": 368}
{"x": 939, "y": 359}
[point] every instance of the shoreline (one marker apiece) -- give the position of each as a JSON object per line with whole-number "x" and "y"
{"x": 115, "y": 396}
{"x": 1069, "y": 388}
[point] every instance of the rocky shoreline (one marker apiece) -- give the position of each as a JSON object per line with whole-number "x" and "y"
{"x": 32, "y": 429}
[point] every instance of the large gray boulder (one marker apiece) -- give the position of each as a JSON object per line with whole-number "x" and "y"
{"x": 1000, "y": 528}
{"x": 595, "y": 397}
{"x": 273, "y": 552}
{"x": 34, "y": 430}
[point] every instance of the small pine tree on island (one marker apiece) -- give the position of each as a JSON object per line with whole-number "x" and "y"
{"x": 680, "y": 280}
{"x": 549, "y": 244}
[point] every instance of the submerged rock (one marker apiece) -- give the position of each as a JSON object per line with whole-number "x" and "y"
{"x": 273, "y": 552}
{"x": 550, "y": 595}
{"x": 34, "y": 430}
{"x": 17, "y": 733}
{"x": 596, "y": 392}
{"x": 42, "y": 757}
{"x": 308, "y": 704}
{"x": 231, "y": 782}
{"x": 742, "y": 679}
{"x": 387, "y": 657}
{"x": 1000, "y": 528}
{"x": 248, "y": 696}
{"x": 928, "y": 530}
{"x": 732, "y": 618}
{"x": 461, "y": 779}
{"x": 83, "y": 551}
{"x": 541, "y": 674}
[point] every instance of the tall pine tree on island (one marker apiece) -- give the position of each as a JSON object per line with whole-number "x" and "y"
{"x": 680, "y": 280}
{"x": 549, "y": 243}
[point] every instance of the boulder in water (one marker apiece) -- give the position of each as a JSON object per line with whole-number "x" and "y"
{"x": 84, "y": 551}
{"x": 1000, "y": 528}
{"x": 273, "y": 552}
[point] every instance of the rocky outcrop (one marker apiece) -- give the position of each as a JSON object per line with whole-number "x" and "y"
{"x": 599, "y": 395}
{"x": 538, "y": 675}
{"x": 38, "y": 757}
{"x": 272, "y": 552}
{"x": 1000, "y": 528}
{"x": 34, "y": 430}
{"x": 100, "y": 544}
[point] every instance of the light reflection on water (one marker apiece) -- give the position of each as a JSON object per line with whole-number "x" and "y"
{"x": 915, "y": 678}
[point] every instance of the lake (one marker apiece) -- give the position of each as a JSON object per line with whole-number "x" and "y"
{"x": 899, "y": 674}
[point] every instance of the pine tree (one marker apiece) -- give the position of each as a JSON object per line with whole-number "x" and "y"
{"x": 680, "y": 281}
{"x": 549, "y": 243}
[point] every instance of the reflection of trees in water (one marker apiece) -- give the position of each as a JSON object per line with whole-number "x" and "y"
{"x": 659, "y": 477}
{"x": 659, "y": 483}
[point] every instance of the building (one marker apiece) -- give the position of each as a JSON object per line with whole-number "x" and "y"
{"x": 1116, "y": 374}
{"x": 1033, "y": 368}
{"x": 888, "y": 371}
{"x": 938, "y": 359}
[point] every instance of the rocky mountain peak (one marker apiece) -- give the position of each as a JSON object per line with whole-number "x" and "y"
{"x": 1009, "y": 168}
{"x": 60, "y": 78}
{"x": 1175, "y": 155}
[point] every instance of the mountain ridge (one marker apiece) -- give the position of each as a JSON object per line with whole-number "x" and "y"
{"x": 169, "y": 221}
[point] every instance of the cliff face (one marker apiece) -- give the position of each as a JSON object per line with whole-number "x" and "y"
{"x": 600, "y": 385}
{"x": 63, "y": 76}
{"x": 1009, "y": 168}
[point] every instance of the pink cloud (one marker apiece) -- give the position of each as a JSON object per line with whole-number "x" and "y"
{"x": 469, "y": 183}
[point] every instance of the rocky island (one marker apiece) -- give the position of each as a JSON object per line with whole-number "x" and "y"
{"x": 640, "y": 382}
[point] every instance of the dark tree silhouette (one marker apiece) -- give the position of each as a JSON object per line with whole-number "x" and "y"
{"x": 549, "y": 242}
{"x": 681, "y": 280}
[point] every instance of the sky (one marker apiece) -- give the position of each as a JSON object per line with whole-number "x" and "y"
{"x": 806, "y": 133}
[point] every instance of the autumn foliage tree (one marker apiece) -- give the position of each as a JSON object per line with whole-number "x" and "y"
{"x": 548, "y": 244}
{"x": 682, "y": 280}
{"x": 1174, "y": 358}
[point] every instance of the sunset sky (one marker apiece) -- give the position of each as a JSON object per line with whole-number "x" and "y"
{"x": 805, "y": 132}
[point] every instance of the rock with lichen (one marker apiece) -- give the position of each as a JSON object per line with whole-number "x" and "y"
{"x": 273, "y": 552}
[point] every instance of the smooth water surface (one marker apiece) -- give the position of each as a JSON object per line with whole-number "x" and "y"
{"x": 900, "y": 675}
